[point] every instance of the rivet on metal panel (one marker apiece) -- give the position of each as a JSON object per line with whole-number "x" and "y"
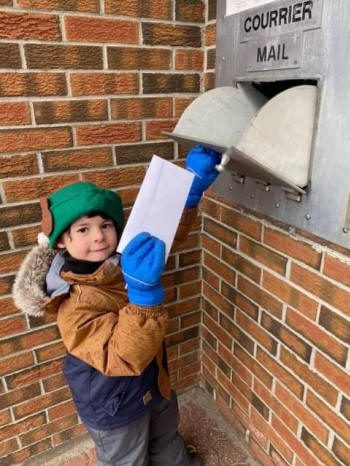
{"x": 345, "y": 230}
{"x": 252, "y": 196}
{"x": 230, "y": 188}
{"x": 223, "y": 58}
{"x": 308, "y": 217}
{"x": 277, "y": 205}
{"x": 263, "y": 186}
{"x": 293, "y": 195}
{"x": 240, "y": 179}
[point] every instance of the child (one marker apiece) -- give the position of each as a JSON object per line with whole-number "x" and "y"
{"x": 111, "y": 318}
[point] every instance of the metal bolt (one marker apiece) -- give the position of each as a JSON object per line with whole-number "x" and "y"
{"x": 267, "y": 188}
{"x": 277, "y": 205}
{"x": 345, "y": 230}
{"x": 230, "y": 188}
{"x": 223, "y": 58}
{"x": 252, "y": 196}
{"x": 308, "y": 217}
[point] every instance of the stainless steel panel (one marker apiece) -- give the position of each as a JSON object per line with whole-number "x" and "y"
{"x": 323, "y": 210}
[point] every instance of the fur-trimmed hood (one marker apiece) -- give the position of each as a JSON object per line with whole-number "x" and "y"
{"x": 29, "y": 289}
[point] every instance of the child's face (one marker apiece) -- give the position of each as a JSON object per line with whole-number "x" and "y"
{"x": 90, "y": 238}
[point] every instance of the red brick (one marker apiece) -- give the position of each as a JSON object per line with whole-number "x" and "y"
{"x": 25, "y": 453}
{"x": 312, "y": 332}
{"x": 219, "y": 232}
{"x": 32, "y": 84}
{"x": 260, "y": 296}
{"x": 8, "y": 446}
{"x": 183, "y": 307}
{"x": 209, "y": 81}
{"x": 155, "y": 129}
{"x": 321, "y": 386}
{"x": 48, "y": 429}
{"x": 13, "y": 397}
{"x": 117, "y": 177}
{"x": 219, "y": 268}
{"x": 186, "y": 59}
{"x": 263, "y": 255}
{"x": 63, "y": 56}
{"x": 54, "y": 382}
{"x": 335, "y": 324}
{"x": 6, "y": 284}
{"x": 25, "y": 236}
{"x": 90, "y": 29}
{"x": 189, "y": 258}
{"x": 17, "y": 165}
{"x": 70, "y": 434}
{"x": 295, "y": 445}
{"x": 210, "y": 35}
{"x": 240, "y": 337}
{"x": 61, "y": 410}
{"x": 303, "y": 414}
{"x": 323, "y": 454}
{"x": 254, "y": 330}
{"x": 210, "y": 244}
{"x": 341, "y": 451}
{"x": 104, "y": 84}
{"x": 322, "y": 288}
{"x": 240, "y": 301}
{"x": 12, "y": 325}
{"x": 139, "y": 58}
{"x": 337, "y": 269}
{"x": 185, "y": 291}
{"x": 271, "y": 401}
{"x": 86, "y": 6}
{"x": 35, "y": 139}
{"x": 50, "y": 352}
{"x": 253, "y": 366}
{"x": 77, "y": 159}
{"x": 15, "y": 363}
{"x": 329, "y": 417}
{"x": 175, "y": 83}
{"x": 290, "y": 295}
{"x": 220, "y": 334}
{"x": 280, "y": 373}
{"x": 236, "y": 365}
{"x": 14, "y": 113}
{"x": 154, "y": 9}
{"x": 292, "y": 247}
{"x": 34, "y": 188}
{"x": 241, "y": 264}
{"x": 42, "y": 402}
{"x": 40, "y": 371}
{"x": 7, "y": 307}
{"x": 218, "y": 301}
{"x": 10, "y": 262}
{"x": 66, "y": 111}
{"x": 181, "y": 103}
{"x": 5, "y": 417}
{"x": 280, "y": 331}
{"x": 139, "y": 108}
{"x": 190, "y": 10}
{"x": 24, "y": 426}
{"x": 241, "y": 222}
{"x": 108, "y": 134}
{"x": 26, "y": 341}
{"x": 14, "y": 25}
{"x": 339, "y": 376}
{"x": 171, "y": 35}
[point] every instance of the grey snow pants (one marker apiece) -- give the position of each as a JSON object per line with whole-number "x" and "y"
{"x": 152, "y": 440}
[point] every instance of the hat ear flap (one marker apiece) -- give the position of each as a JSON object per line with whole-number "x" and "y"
{"x": 46, "y": 217}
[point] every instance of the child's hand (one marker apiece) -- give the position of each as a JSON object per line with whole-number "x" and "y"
{"x": 143, "y": 262}
{"x": 201, "y": 162}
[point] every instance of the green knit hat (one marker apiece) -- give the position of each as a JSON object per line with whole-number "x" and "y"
{"x": 75, "y": 200}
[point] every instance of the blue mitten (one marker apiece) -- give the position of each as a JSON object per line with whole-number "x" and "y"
{"x": 201, "y": 162}
{"x": 142, "y": 263}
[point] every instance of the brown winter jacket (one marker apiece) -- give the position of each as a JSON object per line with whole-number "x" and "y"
{"x": 97, "y": 323}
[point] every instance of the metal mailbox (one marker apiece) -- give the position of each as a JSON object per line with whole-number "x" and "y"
{"x": 280, "y": 111}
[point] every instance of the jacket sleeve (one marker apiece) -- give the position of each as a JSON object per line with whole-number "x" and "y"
{"x": 116, "y": 345}
{"x": 186, "y": 222}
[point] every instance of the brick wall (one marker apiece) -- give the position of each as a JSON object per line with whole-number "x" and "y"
{"x": 276, "y": 335}
{"x": 86, "y": 89}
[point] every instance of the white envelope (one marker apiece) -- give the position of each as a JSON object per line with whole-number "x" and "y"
{"x": 159, "y": 203}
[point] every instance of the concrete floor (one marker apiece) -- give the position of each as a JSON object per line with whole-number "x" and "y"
{"x": 201, "y": 425}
